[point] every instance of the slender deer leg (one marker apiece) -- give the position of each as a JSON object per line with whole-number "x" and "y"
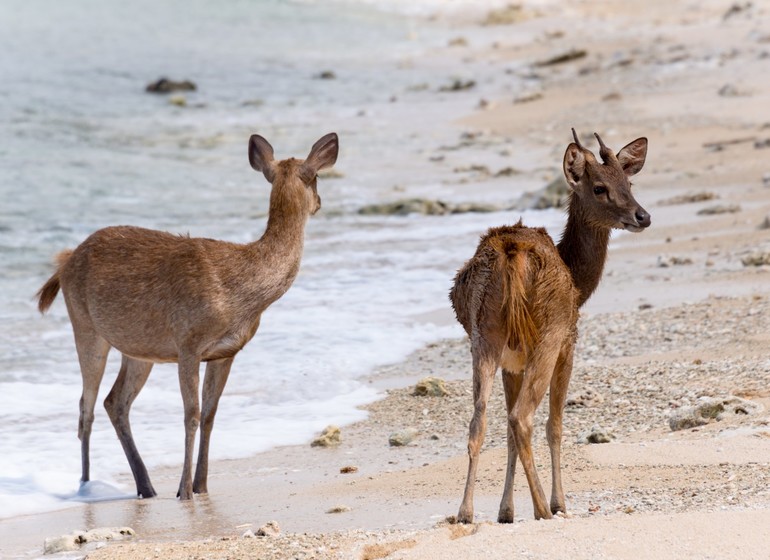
{"x": 189, "y": 378}
{"x": 536, "y": 380}
{"x": 484, "y": 366}
{"x": 131, "y": 378}
{"x": 511, "y": 385}
{"x": 557, "y": 398}
{"x": 92, "y": 354}
{"x": 217, "y": 372}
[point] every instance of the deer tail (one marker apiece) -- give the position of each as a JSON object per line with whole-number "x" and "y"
{"x": 50, "y": 289}
{"x": 514, "y": 262}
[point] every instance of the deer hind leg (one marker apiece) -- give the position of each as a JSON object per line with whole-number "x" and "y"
{"x": 92, "y": 353}
{"x": 535, "y": 383}
{"x": 558, "y": 397}
{"x": 485, "y": 363}
{"x": 217, "y": 372}
{"x": 512, "y": 381}
{"x": 131, "y": 378}
{"x": 189, "y": 378}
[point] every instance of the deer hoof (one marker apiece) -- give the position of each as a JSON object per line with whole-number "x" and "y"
{"x": 465, "y": 517}
{"x": 505, "y": 516}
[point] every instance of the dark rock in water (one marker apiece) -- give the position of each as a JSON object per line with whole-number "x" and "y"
{"x": 688, "y": 198}
{"x": 553, "y": 195}
{"x": 459, "y": 85}
{"x": 164, "y": 85}
{"x": 327, "y": 75}
{"x": 570, "y": 55}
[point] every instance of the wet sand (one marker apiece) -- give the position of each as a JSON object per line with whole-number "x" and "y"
{"x": 659, "y": 333}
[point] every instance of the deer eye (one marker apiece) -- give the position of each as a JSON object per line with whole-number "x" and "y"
{"x": 600, "y": 189}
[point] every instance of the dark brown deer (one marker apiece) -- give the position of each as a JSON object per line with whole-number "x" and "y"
{"x": 159, "y": 297}
{"x": 518, "y": 300}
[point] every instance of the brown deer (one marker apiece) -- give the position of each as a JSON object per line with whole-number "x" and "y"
{"x": 518, "y": 300}
{"x": 159, "y": 297}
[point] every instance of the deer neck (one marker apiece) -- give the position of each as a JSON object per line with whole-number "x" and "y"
{"x": 583, "y": 248}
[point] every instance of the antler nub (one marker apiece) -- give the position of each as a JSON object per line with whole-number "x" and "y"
{"x": 577, "y": 140}
{"x": 604, "y": 151}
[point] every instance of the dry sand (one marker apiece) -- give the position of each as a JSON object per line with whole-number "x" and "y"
{"x": 693, "y": 78}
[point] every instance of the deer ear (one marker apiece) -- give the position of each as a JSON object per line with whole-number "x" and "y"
{"x": 323, "y": 154}
{"x": 632, "y": 156}
{"x": 261, "y": 156}
{"x": 574, "y": 165}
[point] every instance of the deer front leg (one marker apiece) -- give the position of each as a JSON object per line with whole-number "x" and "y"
{"x": 511, "y": 386}
{"x": 484, "y": 367}
{"x": 217, "y": 372}
{"x": 189, "y": 377}
{"x": 131, "y": 378}
{"x": 558, "y": 397}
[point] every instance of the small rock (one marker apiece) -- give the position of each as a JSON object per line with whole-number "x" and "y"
{"x": 665, "y": 261}
{"x": 178, "y": 100}
{"x": 164, "y": 85}
{"x": 766, "y": 180}
{"x": 510, "y": 14}
{"x": 459, "y": 85}
{"x": 568, "y": 56}
{"x": 269, "y": 529}
{"x": 405, "y": 207}
{"x": 458, "y": 42}
{"x": 688, "y": 198}
{"x": 107, "y": 534}
{"x": 430, "y": 387}
{"x": 595, "y": 435}
{"x": 528, "y": 98}
{"x": 339, "y": 509}
{"x": 326, "y": 75}
{"x": 63, "y": 543}
{"x": 249, "y": 534}
{"x": 756, "y": 259}
{"x": 402, "y": 438}
{"x": 585, "y": 399}
{"x": 350, "y": 469}
{"x": 553, "y": 195}
{"x": 330, "y": 437}
{"x": 765, "y": 224}
{"x": 711, "y": 408}
{"x": 719, "y": 209}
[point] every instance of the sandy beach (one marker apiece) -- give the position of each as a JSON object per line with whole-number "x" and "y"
{"x": 682, "y": 315}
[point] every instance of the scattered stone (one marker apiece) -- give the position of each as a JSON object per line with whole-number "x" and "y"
{"x": 688, "y": 198}
{"x": 595, "y": 435}
{"x": 644, "y": 306}
{"x": 736, "y": 9}
{"x": 711, "y": 408}
{"x": 507, "y": 172}
{"x": 164, "y": 85}
{"x": 756, "y": 259}
{"x": 458, "y": 42}
{"x": 720, "y": 145}
{"x": 510, "y": 14}
{"x": 178, "y": 100}
{"x": 553, "y": 195}
{"x": 719, "y": 209}
{"x": 729, "y": 90}
{"x": 485, "y": 104}
{"x": 480, "y": 169}
{"x": 766, "y": 180}
{"x": 350, "y": 469}
{"x": 665, "y": 261}
{"x": 339, "y": 509}
{"x": 63, "y": 543}
{"x": 252, "y": 103}
{"x": 248, "y": 534}
{"x": 528, "y": 98}
{"x": 612, "y": 96}
{"x": 765, "y": 224}
{"x": 269, "y": 529}
{"x": 424, "y": 206}
{"x": 585, "y": 399}
{"x": 74, "y": 541}
{"x": 330, "y": 437}
{"x": 326, "y": 75}
{"x": 430, "y": 387}
{"x": 402, "y": 438}
{"x": 759, "y": 144}
{"x": 459, "y": 85}
{"x": 568, "y": 56}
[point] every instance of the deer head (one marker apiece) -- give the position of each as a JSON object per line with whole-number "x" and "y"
{"x": 294, "y": 179}
{"x": 604, "y": 189}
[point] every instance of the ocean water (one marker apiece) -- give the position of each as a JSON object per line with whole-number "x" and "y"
{"x": 83, "y": 147}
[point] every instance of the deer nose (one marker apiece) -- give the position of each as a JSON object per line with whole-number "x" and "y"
{"x": 642, "y": 218}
